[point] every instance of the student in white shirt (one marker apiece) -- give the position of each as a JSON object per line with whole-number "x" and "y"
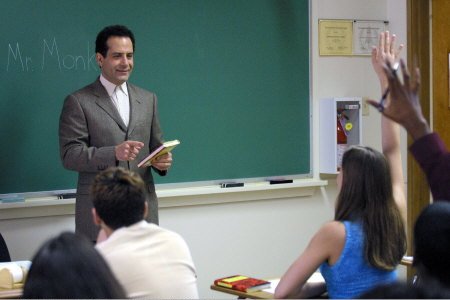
{"x": 149, "y": 261}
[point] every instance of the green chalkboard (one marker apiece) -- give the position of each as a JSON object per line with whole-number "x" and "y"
{"x": 232, "y": 79}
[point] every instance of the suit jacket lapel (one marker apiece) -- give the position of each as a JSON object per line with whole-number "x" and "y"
{"x": 135, "y": 111}
{"x": 104, "y": 101}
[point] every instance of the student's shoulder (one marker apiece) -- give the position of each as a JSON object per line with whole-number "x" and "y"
{"x": 167, "y": 234}
{"x": 172, "y": 242}
{"x": 333, "y": 228}
{"x": 332, "y": 231}
{"x": 329, "y": 240}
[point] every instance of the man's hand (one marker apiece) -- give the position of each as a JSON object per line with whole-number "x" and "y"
{"x": 164, "y": 162}
{"x": 403, "y": 106}
{"x": 128, "y": 150}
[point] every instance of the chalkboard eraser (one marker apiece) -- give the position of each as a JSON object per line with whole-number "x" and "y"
{"x": 231, "y": 184}
{"x": 280, "y": 181}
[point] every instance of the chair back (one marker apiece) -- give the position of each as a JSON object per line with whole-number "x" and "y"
{"x": 4, "y": 252}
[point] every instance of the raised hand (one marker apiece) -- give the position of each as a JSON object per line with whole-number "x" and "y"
{"x": 386, "y": 51}
{"x": 403, "y": 106}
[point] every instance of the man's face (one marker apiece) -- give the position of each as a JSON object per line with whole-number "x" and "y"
{"x": 118, "y": 63}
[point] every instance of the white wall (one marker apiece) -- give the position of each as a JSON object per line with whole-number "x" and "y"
{"x": 259, "y": 238}
{"x": 353, "y": 76}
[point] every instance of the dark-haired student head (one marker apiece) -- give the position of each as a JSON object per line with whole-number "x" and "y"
{"x": 432, "y": 244}
{"x": 68, "y": 266}
{"x": 119, "y": 198}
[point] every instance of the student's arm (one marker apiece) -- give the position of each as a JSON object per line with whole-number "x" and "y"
{"x": 390, "y": 131}
{"x": 293, "y": 283}
{"x": 390, "y": 140}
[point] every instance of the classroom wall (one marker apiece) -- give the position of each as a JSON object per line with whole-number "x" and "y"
{"x": 259, "y": 238}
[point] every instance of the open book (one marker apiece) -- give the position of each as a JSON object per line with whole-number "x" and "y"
{"x": 13, "y": 274}
{"x": 161, "y": 150}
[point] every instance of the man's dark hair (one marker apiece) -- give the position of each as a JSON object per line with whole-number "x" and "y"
{"x": 119, "y": 197}
{"x": 101, "y": 45}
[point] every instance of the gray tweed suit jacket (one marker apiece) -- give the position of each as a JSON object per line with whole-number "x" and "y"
{"x": 90, "y": 127}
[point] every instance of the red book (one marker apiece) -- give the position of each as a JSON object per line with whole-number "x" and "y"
{"x": 242, "y": 283}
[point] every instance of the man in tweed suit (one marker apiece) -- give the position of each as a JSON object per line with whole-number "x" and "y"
{"x": 110, "y": 123}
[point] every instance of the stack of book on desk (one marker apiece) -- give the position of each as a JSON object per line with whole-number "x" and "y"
{"x": 242, "y": 283}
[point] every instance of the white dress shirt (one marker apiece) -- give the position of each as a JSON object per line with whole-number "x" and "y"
{"x": 119, "y": 96}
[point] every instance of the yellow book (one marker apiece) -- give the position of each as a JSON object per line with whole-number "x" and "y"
{"x": 161, "y": 150}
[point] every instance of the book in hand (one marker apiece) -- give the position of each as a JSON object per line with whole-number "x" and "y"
{"x": 242, "y": 283}
{"x": 161, "y": 150}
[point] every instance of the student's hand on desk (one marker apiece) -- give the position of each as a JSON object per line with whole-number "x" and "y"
{"x": 128, "y": 150}
{"x": 164, "y": 162}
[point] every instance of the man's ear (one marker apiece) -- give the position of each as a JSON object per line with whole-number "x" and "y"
{"x": 99, "y": 58}
{"x": 145, "y": 210}
{"x": 97, "y": 219}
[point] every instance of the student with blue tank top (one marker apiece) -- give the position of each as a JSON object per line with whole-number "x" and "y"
{"x": 362, "y": 247}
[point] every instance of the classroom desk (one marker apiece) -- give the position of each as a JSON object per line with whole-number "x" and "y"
{"x": 10, "y": 293}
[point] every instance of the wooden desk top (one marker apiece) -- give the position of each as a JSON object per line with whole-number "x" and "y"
{"x": 10, "y": 293}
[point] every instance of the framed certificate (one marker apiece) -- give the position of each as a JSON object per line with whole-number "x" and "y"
{"x": 365, "y": 35}
{"x": 335, "y": 37}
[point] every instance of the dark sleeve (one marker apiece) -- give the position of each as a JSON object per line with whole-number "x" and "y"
{"x": 434, "y": 159}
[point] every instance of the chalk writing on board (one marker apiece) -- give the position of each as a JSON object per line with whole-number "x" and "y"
{"x": 19, "y": 60}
